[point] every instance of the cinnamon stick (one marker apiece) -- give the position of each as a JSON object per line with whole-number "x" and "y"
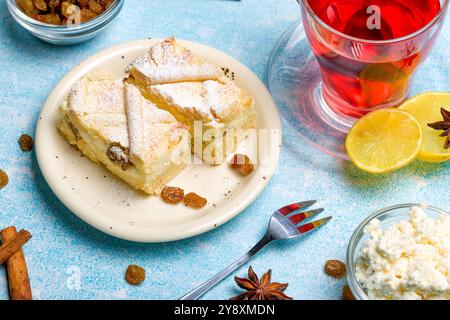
{"x": 16, "y": 266}
{"x": 13, "y": 245}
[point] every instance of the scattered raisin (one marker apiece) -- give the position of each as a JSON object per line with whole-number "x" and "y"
{"x": 242, "y": 163}
{"x": 26, "y": 142}
{"x": 347, "y": 293}
{"x": 193, "y": 200}
{"x": 3, "y": 179}
{"x": 335, "y": 268}
{"x": 135, "y": 275}
{"x": 172, "y": 194}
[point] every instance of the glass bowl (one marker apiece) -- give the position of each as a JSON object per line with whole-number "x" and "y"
{"x": 63, "y": 35}
{"x": 387, "y": 217}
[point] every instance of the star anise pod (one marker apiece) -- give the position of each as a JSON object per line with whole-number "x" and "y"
{"x": 443, "y": 125}
{"x": 262, "y": 289}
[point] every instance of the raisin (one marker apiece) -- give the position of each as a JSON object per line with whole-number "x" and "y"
{"x": 172, "y": 195}
{"x": 87, "y": 14}
{"x": 95, "y": 7}
{"x": 193, "y": 200}
{"x": 68, "y": 9}
{"x": 242, "y": 163}
{"x": 335, "y": 268}
{"x": 53, "y": 4}
{"x": 135, "y": 275}
{"x": 26, "y": 142}
{"x": 237, "y": 161}
{"x": 50, "y": 18}
{"x": 347, "y": 293}
{"x": 83, "y": 3}
{"x": 26, "y": 5}
{"x": 247, "y": 169}
{"x": 3, "y": 179}
{"x": 40, "y": 4}
{"x": 119, "y": 155}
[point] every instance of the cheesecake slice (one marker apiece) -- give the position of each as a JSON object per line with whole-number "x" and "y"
{"x": 113, "y": 124}
{"x": 197, "y": 93}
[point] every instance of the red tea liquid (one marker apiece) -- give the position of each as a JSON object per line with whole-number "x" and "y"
{"x": 358, "y": 77}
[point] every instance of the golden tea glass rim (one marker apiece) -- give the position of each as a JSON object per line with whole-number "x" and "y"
{"x": 375, "y": 42}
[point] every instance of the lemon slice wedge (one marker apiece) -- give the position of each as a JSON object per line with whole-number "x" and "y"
{"x": 426, "y": 108}
{"x": 384, "y": 140}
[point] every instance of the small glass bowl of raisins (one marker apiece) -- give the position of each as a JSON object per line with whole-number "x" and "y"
{"x": 65, "y": 22}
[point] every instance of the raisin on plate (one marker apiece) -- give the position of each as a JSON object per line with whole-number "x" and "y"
{"x": 172, "y": 195}
{"x": 193, "y": 200}
{"x": 242, "y": 163}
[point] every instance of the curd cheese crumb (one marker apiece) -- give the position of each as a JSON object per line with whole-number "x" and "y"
{"x": 408, "y": 261}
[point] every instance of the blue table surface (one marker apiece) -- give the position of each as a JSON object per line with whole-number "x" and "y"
{"x": 64, "y": 248}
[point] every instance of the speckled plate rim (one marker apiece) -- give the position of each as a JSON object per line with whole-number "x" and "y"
{"x": 253, "y": 187}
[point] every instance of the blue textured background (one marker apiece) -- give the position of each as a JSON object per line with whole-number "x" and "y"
{"x": 62, "y": 243}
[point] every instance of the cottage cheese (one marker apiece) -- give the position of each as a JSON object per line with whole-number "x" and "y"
{"x": 410, "y": 260}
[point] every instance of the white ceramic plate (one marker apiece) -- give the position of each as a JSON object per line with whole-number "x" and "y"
{"x": 110, "y": 205}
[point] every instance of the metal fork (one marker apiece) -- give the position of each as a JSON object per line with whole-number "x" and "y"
{"x": 284, "y": 224}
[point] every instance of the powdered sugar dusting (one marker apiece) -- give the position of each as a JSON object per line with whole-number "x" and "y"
{"x": 221, "y": 97}
{"x": 169, "y": 74}
{"x": 119, "y": 113}
{"x": 167, "y": 62}
{"x": 135, "y": 117}
{"x": 113, "y": 127}
{"x": 209, "y": 100}
{"x": 151, "y": 131}
{"x": 103, "y": 96}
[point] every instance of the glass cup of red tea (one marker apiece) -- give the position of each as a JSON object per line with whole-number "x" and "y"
{"x": 368, "y": 50}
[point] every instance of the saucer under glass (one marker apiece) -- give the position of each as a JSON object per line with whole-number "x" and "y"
{"x": 294, "y": 79}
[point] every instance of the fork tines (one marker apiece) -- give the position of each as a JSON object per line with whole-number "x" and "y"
{"x": 297, "y": 218}
{"x": 313, "y": 225}
{"x": 294, "y": 213}
{"x": 295, "y": 207}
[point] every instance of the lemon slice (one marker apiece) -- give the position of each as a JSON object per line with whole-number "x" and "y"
{"x": 426, "y": 108}
{"x": 384, "y": 140}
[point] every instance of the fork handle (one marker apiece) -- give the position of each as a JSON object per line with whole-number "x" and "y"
{"x": 205, "y": 287}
